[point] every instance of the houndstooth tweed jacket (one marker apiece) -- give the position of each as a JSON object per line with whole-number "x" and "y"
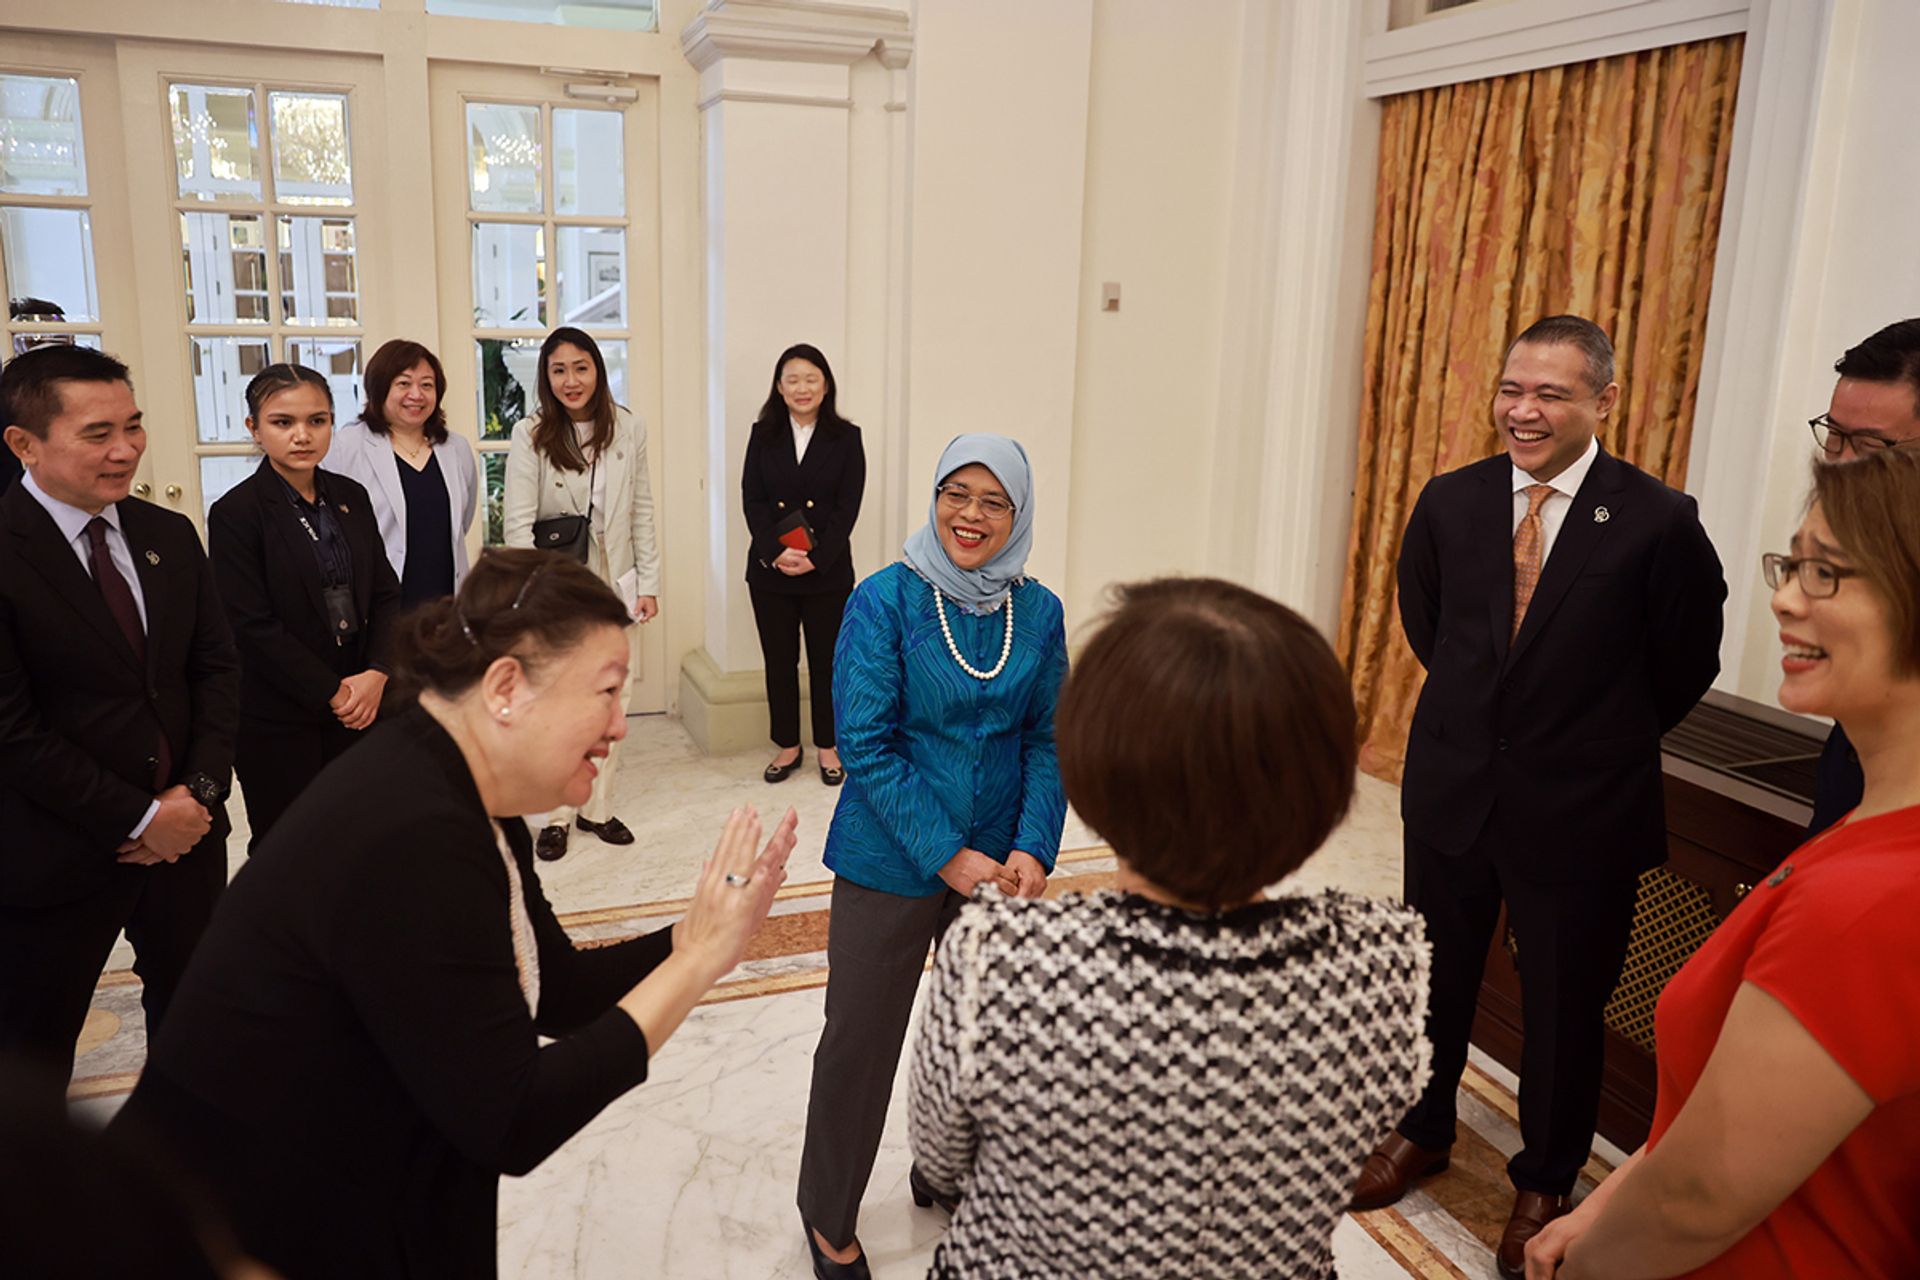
{"x": 1120, "y": 1089}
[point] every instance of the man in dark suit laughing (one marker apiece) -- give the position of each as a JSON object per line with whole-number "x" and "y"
{"x": 119, "y": 700}
{"x": 1567, "y": 608}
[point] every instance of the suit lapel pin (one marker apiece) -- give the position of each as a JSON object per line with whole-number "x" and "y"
{"x": 345, "y": 510}
{"x": 1601, "y": 515}
{"x": 153, "y": 557}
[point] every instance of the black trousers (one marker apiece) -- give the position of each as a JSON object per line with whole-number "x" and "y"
{"x": 876, "y": 953}
{"x": 276, "y": 762}
{"x": 781, "y": 619}
{"x": 51, "y": 957}
{"x": 1572, "y": 940}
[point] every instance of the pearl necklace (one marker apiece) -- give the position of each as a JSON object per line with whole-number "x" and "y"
{"x": 946, "y": 629}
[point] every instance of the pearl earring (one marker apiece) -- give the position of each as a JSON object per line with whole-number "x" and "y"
{"x": 504, "y": 712}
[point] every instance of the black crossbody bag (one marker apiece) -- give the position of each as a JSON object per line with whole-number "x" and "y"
{"x": 569, "y": 535}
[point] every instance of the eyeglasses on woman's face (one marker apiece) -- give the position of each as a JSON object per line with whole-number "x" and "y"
{"x": 1819, "y": 579}
{"x": 957, "y": 498}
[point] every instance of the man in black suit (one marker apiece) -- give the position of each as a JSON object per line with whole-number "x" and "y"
{"x": 1567, "y": 608}
{"x": 1875, "y": 405}
{"x": 119, "y": 699}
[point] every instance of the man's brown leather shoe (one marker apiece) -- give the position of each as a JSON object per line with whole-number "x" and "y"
{"x": 1391, "y": 1170}
{"x": 1531, "y": 1211}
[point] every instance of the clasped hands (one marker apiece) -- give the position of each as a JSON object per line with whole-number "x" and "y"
{"x": 176, "y": 827}
{"x": 793, "y": 562}
{"x": 1022, "y": 876}
{"x": 357, "y": 700}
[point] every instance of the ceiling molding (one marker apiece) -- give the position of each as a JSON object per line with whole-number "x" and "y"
{"x": 797, "y": 31}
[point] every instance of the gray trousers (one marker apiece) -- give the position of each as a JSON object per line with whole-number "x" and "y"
{"x": 876, "y": 952}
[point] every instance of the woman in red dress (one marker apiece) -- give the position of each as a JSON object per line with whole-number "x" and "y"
{"x": 1786, "y": 1139}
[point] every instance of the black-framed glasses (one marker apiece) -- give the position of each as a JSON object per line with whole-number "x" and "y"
{"x": 956, "y": 497}
{"x": 1834, "y": 438}
{"x": 1819, "y": 579}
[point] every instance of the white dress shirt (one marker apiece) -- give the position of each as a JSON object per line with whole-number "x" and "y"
{"x": 1553, "y": 513}
{"x": 73, "y": 524}
{"x": 802, "y": 437}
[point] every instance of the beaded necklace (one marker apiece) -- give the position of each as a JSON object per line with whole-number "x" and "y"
{"x": 946, "y": 629}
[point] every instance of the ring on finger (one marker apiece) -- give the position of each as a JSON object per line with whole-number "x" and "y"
{"x": 737, "y": 881}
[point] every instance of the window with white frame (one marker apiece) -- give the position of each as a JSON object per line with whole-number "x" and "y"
{"x": 46, "y": 220}
{"x": 547, "y": 224}
{"x": 265, "y": 202}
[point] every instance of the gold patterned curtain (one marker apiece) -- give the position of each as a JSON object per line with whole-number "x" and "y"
{"x": 1593, "y": 189}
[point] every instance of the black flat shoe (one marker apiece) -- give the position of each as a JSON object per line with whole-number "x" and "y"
{"x": 825, "y": 1268}
{"x": 781, "y": 772}
{"x": 925, "y": 1196}
{"x": 832, "y": 777}
{"x": 612, "y": 831}
{"x": 552, "y": 844}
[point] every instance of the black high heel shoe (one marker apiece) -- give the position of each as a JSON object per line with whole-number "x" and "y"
{"x": 825, "y": 1268}
{"x": 925, "y": 1196}
{"x": 781, "y": 772}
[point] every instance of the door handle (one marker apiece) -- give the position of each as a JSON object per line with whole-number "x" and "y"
{"x": 143, "y": 490}
{"x": 173, "y": 492}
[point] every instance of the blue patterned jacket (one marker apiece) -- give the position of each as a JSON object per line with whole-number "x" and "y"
{"x": 936, "y": 760}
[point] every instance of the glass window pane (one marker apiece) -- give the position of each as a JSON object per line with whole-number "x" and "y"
{"x": 339, "y": 362}
{"x": 589, "y": 163}
{"x": 319, "y": 282}
{"x": 226, "y": 257}
{"x": 507, "y": 388}
{"x": 509, "y": 276}
{"x": 496, "y": 466}
{"x": 503, "y": 157}
{"x": 615, "y": 15}
{"x": 312, "y": 161}
{"x": 215, "y": 142}
{"x": 42, "y": 152}
{"x": 614, "y": 352}
{"x": 592, "y": 272}
{"x": 24, "y": 342}
{"x": 222, "y": 367}
{"x": 221, "y": 473}
{"x": 49, "y": 256}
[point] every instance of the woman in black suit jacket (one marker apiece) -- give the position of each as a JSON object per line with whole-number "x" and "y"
{"x": 805, "y": 468}
{"x": 355, "y": 1055}
{"x": 311, "y": 595}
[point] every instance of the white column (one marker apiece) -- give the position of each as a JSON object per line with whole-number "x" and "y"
{"x": 799, "y": 224}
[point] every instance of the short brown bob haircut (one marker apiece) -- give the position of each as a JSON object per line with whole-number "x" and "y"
{"x": 394, "y": 358}
{"x": 1872, "y": 503}
{"x": 1207, "y": 733}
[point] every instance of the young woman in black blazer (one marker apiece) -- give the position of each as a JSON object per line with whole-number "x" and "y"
{"x": 804, "y": 463}
{"x": 311, "y": 595}
{"x": 356, "y": 1055}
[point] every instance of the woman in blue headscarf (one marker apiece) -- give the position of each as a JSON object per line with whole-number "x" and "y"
{"x": 946, "y": 674}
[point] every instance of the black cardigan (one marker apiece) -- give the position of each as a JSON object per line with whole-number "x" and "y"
{"x": 827, "y": 485}
{"x": 349, "y": 1064}
{"x": 270, "y": 583}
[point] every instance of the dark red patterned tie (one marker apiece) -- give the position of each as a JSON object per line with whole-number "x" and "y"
{"x": 120, "y": 603}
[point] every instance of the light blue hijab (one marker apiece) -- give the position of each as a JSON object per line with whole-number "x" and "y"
{"x": 978, "y": 590}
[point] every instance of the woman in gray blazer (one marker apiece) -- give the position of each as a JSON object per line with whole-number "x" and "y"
{"x": 584, "y": 455}
{"x": 422, "y": 479}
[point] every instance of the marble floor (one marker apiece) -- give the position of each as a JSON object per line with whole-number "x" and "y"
{"x": 693, "y": 1173}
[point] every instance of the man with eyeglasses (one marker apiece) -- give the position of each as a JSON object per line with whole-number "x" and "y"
{"x": 1875, "y": 405}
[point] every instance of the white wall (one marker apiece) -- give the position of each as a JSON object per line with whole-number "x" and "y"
{"x": 1159, "y": 182}
{"x": 999, "y": 156}
{"x": 1856, "y": 268}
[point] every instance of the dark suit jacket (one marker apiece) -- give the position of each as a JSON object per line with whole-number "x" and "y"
{"x": 80, "y": 715}
{"x": 350, "y": 1062}
{"x": 271, "y": 585}
{"x": 1839, "y": 783}
{"x": 10, "y": 469}
{"x": 1558, "y": 734}
{"x": 827, "y": 485}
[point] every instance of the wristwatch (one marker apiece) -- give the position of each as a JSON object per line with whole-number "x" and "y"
{"x": 204, "y": 789}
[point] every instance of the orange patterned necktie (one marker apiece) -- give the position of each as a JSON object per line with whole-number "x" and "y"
{"x": 1528, "y": 541}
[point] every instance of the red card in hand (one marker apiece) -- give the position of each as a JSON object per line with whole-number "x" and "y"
{"x": 795, "y": 533}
